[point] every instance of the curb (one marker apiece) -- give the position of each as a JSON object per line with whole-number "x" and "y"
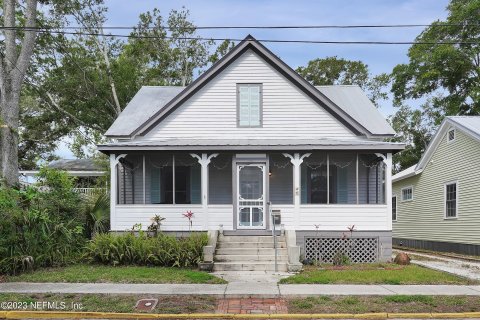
{"x": 112, "y": 315}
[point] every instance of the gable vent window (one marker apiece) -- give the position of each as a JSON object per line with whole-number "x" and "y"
{"x": 249, "y": 105}
{"x": 451, "y": 135}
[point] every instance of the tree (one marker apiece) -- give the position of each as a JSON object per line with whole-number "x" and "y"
{"x": 14, "y": 63}
{"x": 414, "y": 128}
{"x": 445, "y": 63}
{"x": 92, "y": 76}
{"x": 444, "y": 70}
{"x": 334, "y": 70}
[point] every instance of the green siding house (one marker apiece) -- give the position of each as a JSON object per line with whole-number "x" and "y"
{"x": 436, "y": 203}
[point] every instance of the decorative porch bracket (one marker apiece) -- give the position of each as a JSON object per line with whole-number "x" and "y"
{"x": 296, "y": 159}
{"x": 204, "y": 160}
{"x": 114, "y": 160}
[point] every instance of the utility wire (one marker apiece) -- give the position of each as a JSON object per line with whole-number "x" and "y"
{"x": 275, "y": 27}
{"x": 130, "y": 36}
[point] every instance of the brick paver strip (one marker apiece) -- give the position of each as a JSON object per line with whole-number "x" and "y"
{"x": 252, "y": 306}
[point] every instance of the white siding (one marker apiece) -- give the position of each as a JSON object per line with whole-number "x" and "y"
{"x": 330, "y": 217}
{"x": 287, "y": 111}
{"x": 128, "y": 215}
{"x": 339, "y": 217}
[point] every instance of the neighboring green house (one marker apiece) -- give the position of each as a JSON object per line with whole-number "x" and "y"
{"x": 436, "y": 203}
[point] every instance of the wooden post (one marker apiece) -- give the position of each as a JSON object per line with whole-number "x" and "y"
{"x": 113, "y": 186}
{"x": 204, "y": 161}
{"x": 296, "y": 160}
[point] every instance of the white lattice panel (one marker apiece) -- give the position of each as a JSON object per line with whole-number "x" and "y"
{"x": 359, "y": 250}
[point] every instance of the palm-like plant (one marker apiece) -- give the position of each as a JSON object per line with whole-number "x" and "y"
{"x": 97, "y": 214}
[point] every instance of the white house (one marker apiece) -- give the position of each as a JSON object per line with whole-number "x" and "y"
{"x": 250, "y": 135}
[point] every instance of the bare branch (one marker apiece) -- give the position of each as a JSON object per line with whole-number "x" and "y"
{"x": 28, "y": 42}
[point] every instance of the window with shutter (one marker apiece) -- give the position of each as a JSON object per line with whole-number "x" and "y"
{"x": 249, "y": 103}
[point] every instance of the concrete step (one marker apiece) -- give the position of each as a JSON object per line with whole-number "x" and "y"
{"x": 250, "y": 251}
{"x": 248, "y": 266}
{"x": 248, "y": 258}
{"x": 263, "y": 239}
{"x": 222, "y": 245}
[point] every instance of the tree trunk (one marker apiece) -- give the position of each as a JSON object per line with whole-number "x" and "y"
{"x": 13, "y": 66}
{"x": 9, "y": 132}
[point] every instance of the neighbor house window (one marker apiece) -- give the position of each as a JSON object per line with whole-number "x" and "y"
{"x": 451, "y": 201}
{"x": 451, "y": 135}
{"x": 394, "y": 208}
{"x": 407, "y": 194}
{"x": 249, "y": 105}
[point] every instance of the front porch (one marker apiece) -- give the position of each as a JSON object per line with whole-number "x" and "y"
{"x": 315, "y": 190}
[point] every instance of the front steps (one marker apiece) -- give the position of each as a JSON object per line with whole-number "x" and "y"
{"x": 249, "y": 253}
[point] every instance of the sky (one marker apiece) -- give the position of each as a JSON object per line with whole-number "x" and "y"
{"x": 379, "y": 58}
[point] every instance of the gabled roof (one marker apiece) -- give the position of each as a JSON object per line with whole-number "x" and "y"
{"x": 353, "y": 100}
{"x": 137, "y": 122}
{"x": 469, "y": 125}
{"x": 143, "y": 105}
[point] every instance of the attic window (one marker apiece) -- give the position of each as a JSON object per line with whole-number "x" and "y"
{"x": 451, "y": 135}
{"x": 249, "y": 105}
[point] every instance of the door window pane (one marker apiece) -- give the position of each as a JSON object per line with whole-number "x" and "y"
{"x": 257, "y": 217}
{"x": 244, "y": 217}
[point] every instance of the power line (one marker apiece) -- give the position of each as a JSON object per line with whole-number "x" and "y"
{"x": 130, "y": 36}
{"x": 360, "y": 26}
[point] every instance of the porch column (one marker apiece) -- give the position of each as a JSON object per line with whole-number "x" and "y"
{"x": 388, "y": 187}
{"x": 204, "y": 160}
{"x": 296, "y": 160}
{"x": 113, "y": 186}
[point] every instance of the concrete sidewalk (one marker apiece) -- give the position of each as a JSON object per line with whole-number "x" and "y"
{"x": 239, "y": 289}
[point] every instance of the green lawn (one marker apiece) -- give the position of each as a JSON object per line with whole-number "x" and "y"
{"x": 112, "y": 303}
{"x": 374, "y": 274}
{"x": 207, "y": 304}
{"x": 390, "y": 304}
{"x": 119, "y": 274}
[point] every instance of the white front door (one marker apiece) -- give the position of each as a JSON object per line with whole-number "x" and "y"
{"x": 251, "y": 196}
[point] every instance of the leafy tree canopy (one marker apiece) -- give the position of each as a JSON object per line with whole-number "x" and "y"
{"x": 334, "y": 70}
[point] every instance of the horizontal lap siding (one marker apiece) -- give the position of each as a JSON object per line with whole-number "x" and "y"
{"x": 127, "y": 216}
{"x": 423, "y": 218}
{"x": 220, "y": 214}
{"x": 339, "y": 217}
{"x": 212, "y": 112}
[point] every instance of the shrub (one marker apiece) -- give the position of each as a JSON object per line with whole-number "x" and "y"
{"x": 40, "y": 226}
{"x": 159, "y": 250}
{"x": 96, "y": 210}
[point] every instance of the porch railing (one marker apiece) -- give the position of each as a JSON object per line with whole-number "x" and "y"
{"x": 89, "y": 191}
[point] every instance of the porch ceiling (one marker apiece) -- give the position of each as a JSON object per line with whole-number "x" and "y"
{"x": 253, "y": 144}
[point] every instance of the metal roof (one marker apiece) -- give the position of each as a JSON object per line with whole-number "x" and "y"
{"x": 252, "y": 144}
{"x": 143, "y": 105}
{"x": 353, "y": 100}
{"x": 409, "y": 172}
{"x": 75, "y": 165}
{"x": 148, "y": 108}
{"x": 470, "y": 124}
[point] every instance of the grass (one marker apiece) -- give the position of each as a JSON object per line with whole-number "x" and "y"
{"x": 113, "y": 303}
{"x": 374, "y": 274}
{"x": 391, "y": 304}
{"x": 207, "y": 304}
{"x": 119, "y": 274}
